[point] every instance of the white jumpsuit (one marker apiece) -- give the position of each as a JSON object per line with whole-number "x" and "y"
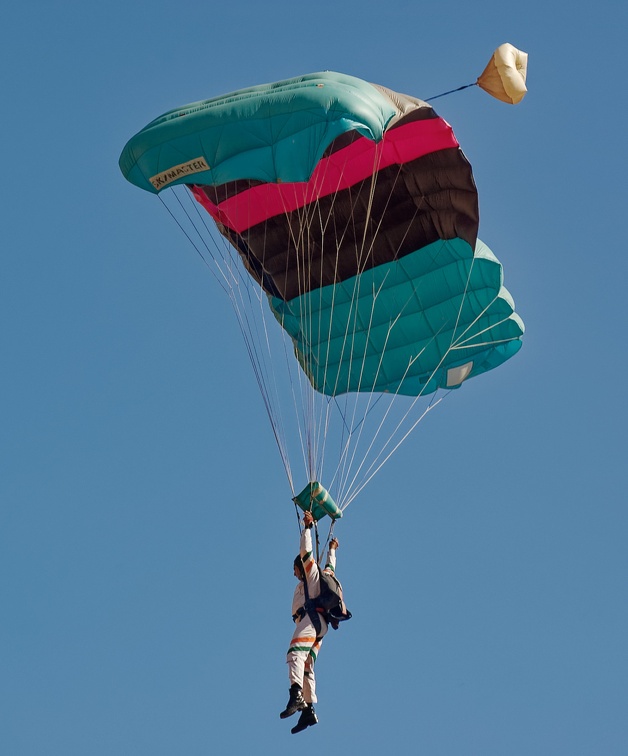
{"x": 306, "y": 643}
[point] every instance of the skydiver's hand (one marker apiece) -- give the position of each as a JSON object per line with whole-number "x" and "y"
{"x": 333, "y": 544}
{"x": 308, "y": 519}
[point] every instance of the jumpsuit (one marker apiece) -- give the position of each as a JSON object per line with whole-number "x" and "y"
{"x": 306, "y": 643}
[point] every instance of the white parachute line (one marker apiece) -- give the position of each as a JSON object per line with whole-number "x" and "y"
{"x": 364, "y": 483}
{"x": 228, "y": 269}
{"x": 353, "y": 307}
{"x": 411, "y": 362}
{"x": 346, "y": 429}
{"x": 294, "y": 385}
{"x": 391, "y": 325}
{"x": 328, "y": 407}
{"x": 320, "y": 425}
{"x": 300, "y": 410}
{"x": 485, "y": 343}
{"x": 264, "y": 376}
{"x": 361, "y": 426}
{"x": 393, "y": 398}
{"x": 374, "y": 467}
{"x": 454, "y": 339}
{"x": 353, "y": 443}
{"x": 399, "y": 425}
{"x": 232, "y": 282}
{"x": 224, "y": 262}
{"x": 306, "y": 427}
{"x": 459, "y": 339}
{"x": 353, "y": 313}
{"x": 271, "y": 406}
{"x": 392, "y": 434}
{"x": 317, "y": 427}
{"x": 315, "y": 417}
{"x": 304, "y": 258}
{"x": 281, "y": 424}
{"x": 348, "y": 343}
{"x": 230, "y": 272}
{"x": 345, "y": 445}
{"x": 361, "y": 267}
{"x": 272, "y": 401}
{"x": 344, "y": 463}
{"x": 310, "y": 213}
{"x": 462, "y": 301}
{"x": 348, "y": 463}
{"x": 323, "y": 409}
{"x": 464, "y": 344}
{"x": 460, "y": 343}
{"x": 323, "y": 419}
{"x": 227, "y": 252}
{"x": 236, "y": 280}
{"x": 224, "y": 284}
{"x": 290, "y": 375}
{"x": 381, "y": 358}
{"x": 345, "y": 460}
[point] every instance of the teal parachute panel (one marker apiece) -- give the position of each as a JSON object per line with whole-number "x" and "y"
{"x": 434, "y": 318}
{"x": 272, "y": 132}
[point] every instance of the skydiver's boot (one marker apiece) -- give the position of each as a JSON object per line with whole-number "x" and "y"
{"x": 295, "y": 702}
{"x": 308, "y": 718}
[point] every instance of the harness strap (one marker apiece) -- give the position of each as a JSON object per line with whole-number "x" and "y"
{"x": 308, "y": 607}
{"x": 299, "y": 614}
{"x": 302, "y": 611}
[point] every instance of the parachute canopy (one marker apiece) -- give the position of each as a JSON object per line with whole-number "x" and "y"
{"x": 505, "y": 75}
{"x": 355, "y": 210}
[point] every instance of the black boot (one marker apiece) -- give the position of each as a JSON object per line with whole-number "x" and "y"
{"x": 295, "y": 702}
{"x": 308, "y": 718}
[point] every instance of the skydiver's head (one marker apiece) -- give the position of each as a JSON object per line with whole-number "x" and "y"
{"x": 298, "y": 567}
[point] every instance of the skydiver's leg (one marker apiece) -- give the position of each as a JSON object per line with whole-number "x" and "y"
{"x": 309, "y": 677}
{"x": 304, "y": 647}
{"x": 309, "y": 682}
{"x": 303, "y": 640}
{"x": 308, "y": 716}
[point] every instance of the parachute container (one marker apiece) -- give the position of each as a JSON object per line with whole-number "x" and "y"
{"x": 315, "y": 499}
{"x": 505, "y": 75}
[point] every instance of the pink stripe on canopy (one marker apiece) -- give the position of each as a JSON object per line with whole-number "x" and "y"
{"x": 339, "y": 171}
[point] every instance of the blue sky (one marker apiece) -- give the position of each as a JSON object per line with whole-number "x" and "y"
{"x": 146, "y": 531}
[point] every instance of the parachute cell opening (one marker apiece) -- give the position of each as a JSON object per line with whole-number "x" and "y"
{"x": 456, "y": 375}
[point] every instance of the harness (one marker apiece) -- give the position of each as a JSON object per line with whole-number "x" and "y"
{"x": 301, "y": 612}
{"x": 309, "y": 608}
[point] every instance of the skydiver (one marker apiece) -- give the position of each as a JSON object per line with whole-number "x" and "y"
{"x": 309, "y": 631}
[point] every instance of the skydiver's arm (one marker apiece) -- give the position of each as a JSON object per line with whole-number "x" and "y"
{"x": 306, "y": 545}
{"x": 307, "y": 557}
{"x": 330, "y": 564}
